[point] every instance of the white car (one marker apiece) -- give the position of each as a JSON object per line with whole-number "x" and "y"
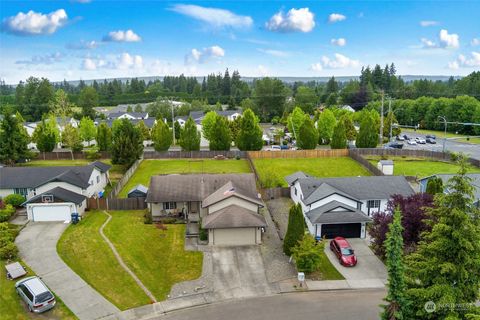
{"x": 420, "y": 140}
{"x": 274, "y": 148}
{"x": 412, "y": 142}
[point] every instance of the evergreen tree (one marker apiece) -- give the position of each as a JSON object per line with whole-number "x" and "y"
{"x": 295, "y": 229}
{"x": 190, "y": 137}
{"x": 367, "y": 135}
{"x": 339, "y": 139}
{"x": 446, "y": 266}
{"x": 129, "y": 108}
{"x": 220, "y": 138}
{"x": 127, "y": 144}
{"x": 249, "y": 136}
{"x": 325, "y": 125}
{"x": 434, "y": 186}
{"x": 295, "y": 121}
{"x": 104, "y": 137}
{"x": 178, "y": 129}
{"x": 71, "y": 139}
{"x": 396, "y": 299}
{"x": 208, "y": 123}
{"x": 13, "y": 139}
{"x": 161, "y": 136}
{"x": 44, "y": 137}
{"x": 308, "y": 135}
{"x": 60, "y": 106}
{"x": 88, "y": 131}
{"x": 87, "y": 100}
{"x": 143, "y": 129}
{"x": 350, "y": 131}
{"x": 138, "y": 108}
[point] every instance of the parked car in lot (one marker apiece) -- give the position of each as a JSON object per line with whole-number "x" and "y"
{"x": 431, "y": 141}
{"x": 35, "y": 294}
{"x": 406, "y": 137}
{"x": 394, "y": 145}
{"x": 400, "y": 138}
{"x": 344, "y": 252}
{"x": 412, "y": 142}
{"x": 419, "y": 140}
{"x": 431, "y": 136}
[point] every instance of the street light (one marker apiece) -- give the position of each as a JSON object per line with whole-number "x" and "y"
{"x": 445, "y": 126}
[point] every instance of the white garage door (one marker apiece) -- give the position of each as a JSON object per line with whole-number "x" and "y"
{"x": 234, "y": 236}
{"x": 51, "y": 213}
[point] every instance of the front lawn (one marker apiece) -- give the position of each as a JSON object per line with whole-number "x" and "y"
{"x": 156, "y": 256}
{"x": 84, "y": 250}
{"x": 318, "y": 167}
{"x": 150, "y": 168}
{"x": 326, "y": 271}
{"x": 421, "y": 167}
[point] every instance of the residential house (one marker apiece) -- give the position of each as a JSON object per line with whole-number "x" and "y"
{"x": 227, "y": 205}
{"x": 475, "y": 182}
{"x": 343, "y": 206}
{"x": 128, "y": 115}
{"x": 47, "y": 188}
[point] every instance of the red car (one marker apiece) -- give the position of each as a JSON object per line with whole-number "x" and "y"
{"x": 344, "y": 252}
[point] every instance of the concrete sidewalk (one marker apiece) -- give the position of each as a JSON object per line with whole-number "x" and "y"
{"x": 37, "y": 244}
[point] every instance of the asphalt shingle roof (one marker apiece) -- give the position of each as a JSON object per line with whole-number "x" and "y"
{"x": 475, "y": 181}
{"x": 226, "y": 191}
{"x": 59, "y": 194}
{"x": 233, "y": 216}
{"x": 336, "y": 212}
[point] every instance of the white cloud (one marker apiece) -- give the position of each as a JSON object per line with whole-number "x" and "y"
{"x": 341, "y": 42}
{"x": 339, "y": 62}
{"x": 122, "y": 36}
{"x": 295, "y": 20}
{"x": 204, "y": 55}
{"x": 475, "y": 42}
{"x": 445, "y": 41}
{"x": 81, "y": 1}
{"x": 124, "y": 61}
{"x": 275, "y": 53}
{"x": 45, "y": 59}
{"x": 83, "y": 45}
{"x": 262, "y": 70}
{"x": 466, "y": 62}
{"x": 35, "y": 23}
{"x": 214, "y": 16}
{"x": 336, "y": 17}
{"x": 429, "y": 23}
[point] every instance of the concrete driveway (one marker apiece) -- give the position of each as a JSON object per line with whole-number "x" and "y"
{"x": 369, "y": 272}
{"x": 37, "y": 244}
{"x": 238, "y": 272}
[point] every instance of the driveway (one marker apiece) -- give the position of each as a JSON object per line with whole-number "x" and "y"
{"x": 238, "y": 272}
{"x": 37, "y": 244}
{"x": 369, "y": 272}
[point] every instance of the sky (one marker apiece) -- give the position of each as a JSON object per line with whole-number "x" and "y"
{"x": 97, "y": 39}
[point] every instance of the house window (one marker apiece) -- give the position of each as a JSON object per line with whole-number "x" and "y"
{"x": 98, "y": 179}
{"x": 169, "y": 205}
{"x": 373, "y": 206}
{"x": 22, "y": 191}
{"x": 295, "y": 191}
{"x": 359, "y": 206}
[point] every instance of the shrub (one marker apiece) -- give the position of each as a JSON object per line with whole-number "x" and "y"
{"x": 308, "y": 254}
{"x": 92, "y": 154}
{"x": 8, "y": 252}
{"x": 147, "y": 218}
{"x": 14, "y": 199}
{"x": 295, "y": 230}
{"x": 6, "y": 213}
{"x": 203, "y": 234}
{"x": 168, "y": 220}
{"x": 271, "y": 178}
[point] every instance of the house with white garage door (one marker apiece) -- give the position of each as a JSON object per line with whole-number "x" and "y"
{"x": 343, "y": 206}
{"x": 227, "y": 205}
{"x": 59, "y": 191}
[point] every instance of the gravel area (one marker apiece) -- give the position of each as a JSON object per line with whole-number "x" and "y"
{"x": 279, "y": 211}
{"x": 277, "y": 267}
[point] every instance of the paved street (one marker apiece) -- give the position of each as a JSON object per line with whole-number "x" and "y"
{"x": 37, "y": 244}
{"x": 324, "y": 305}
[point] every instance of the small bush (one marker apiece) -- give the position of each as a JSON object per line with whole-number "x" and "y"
{"x": 237, "y": 157}
{"x": 14, "y": 199}
{"x": 308, "y": 254}
{"x": 147, "y": 218}
{"x": 8, "y": 252}
{"x": 168, "y": 220}
{"x": 203, "y": 234}
{"x": 6, "y": 213}
{"x": 92, "y": 154}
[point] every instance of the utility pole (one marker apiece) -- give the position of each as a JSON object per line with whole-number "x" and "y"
{"x": 390, "y": 114}
{"x": 173, "y": 123}
{"x": 381, "y": 121}
{"x": 445, "y": 127}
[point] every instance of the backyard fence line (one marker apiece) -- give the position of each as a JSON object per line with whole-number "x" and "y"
{"x": 116, "y": 204}
{"x": 66, "y": 155}
{"x": 126, "y": 176}
{"x": 274, "y": 193}
{"x": 317, "y": 153}
{"x": 364, "y": 162}
{"x": 192, "y": 154}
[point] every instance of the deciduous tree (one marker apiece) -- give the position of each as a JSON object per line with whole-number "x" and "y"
{"x": 220, "y": 138}
{"x": 249, "y": 136}
{"x": 104, "y": 137}
{"x": 308, "y": 135}
{"x": 325, "y": 125}
{"x": 88, "y": 131}
{"x": 71, "y": 139}
{"x": 162, "y": 136}
{"x": 190, "y": 137}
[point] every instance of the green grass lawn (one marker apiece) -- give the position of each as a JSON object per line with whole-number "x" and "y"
{"x": 318, "y": 167}
{"x": 84, "y": 250}
{"x": 441, "y": 134}
{"x": 326, "y": 271}
{"x": 150, "y": 168}
{"x": 156, "y": 256}
{"x": 420, "y": 167}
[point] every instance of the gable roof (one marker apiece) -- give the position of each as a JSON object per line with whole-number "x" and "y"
{"x": 233, "y": 216}
{"x": 148, "y": 122}
{"x": 227, "y": 113}
{"x": 295, "y": 176}
{"x": 196, "y": 187}
{"x": 336, "y": 212}
{"x": 31, "y": 177}
{"x": 59, "y": 194}
{"x": 136, "y": 115}
{"x": 324, "y": 190}
{"x": 474, "y": 176}
{"x": 226, "y": 191}
{"x": 139, "y": 187}
{"x": 362, "y": 188}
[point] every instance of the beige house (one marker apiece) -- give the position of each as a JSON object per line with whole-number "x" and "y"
{"x": 227, "y": 205}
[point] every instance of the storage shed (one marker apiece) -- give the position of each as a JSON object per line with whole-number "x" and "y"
{"x": 139, "y": 191}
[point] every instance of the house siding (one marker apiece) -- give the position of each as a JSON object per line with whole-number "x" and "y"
{"x": 232, "y": 201}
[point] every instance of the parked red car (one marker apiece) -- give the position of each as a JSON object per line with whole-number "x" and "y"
{"x": 344, "y": 252}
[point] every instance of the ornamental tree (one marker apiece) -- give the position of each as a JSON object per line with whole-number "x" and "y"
{"x": 104, "y": 137}
{"x": 249, "y": 136}
{"x": 161, "y": 136}
{"x": 190, "y": 137}
{"x": 308, "y": 136}
{"x": 88, "y": 131}
{"x": 325, "y": 126}
{"x": 295, "y": 230}
{"x": 220, "y": 136}
{"x": 127, "y": 144}
{"x": 339, "y": 139}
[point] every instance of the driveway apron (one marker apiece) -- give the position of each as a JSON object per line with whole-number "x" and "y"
{"x": 37, "y": 244}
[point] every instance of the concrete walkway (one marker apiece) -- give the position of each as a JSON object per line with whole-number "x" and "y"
{"x": 37, "y": 244}
{"x": 121, "y": 262}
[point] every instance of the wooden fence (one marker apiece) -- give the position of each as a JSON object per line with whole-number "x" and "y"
{"x": 274, "y": 193}
{"x": 318, "y": 153}
{"x": 364, "y": 162}
{"x": 192, "y": 154}
{"x": 126, "y": 176}
{"x": 66, "y": 155}
{"x": 116, "y": 204}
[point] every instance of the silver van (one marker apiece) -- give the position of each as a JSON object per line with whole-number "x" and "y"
{"x": 35, "y": 294}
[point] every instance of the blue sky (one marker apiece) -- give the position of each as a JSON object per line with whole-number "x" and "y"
{"x": 82, "y": 39}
